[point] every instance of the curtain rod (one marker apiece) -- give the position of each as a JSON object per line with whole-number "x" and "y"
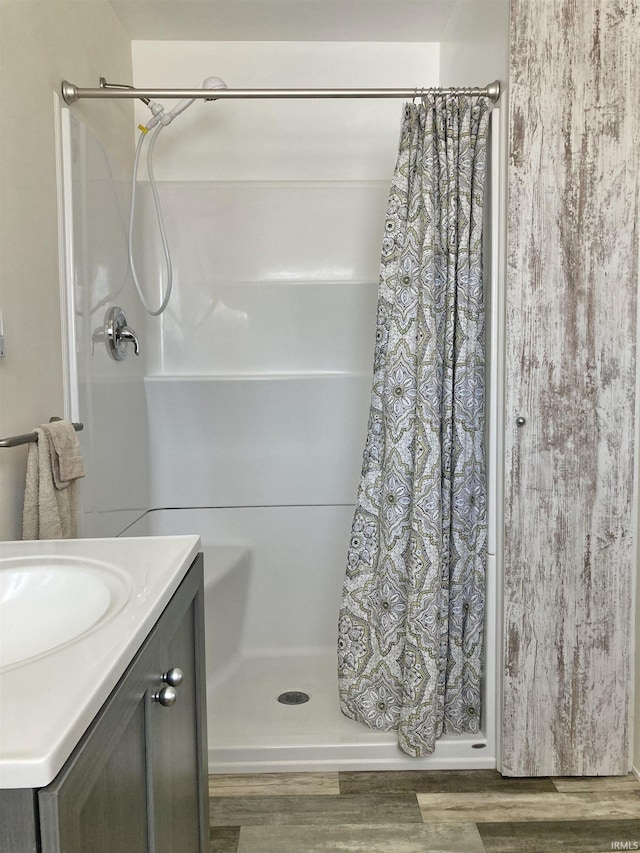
{"x": 72, "y": 93}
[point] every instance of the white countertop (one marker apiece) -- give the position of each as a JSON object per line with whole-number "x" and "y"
{"x": 48, "y": 701}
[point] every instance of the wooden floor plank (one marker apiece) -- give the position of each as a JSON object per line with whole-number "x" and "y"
{"x": 224, "y": 839}
{"x": 572, "y": 784}
{"x": 372, "y": 838}
{"x": 529, "y": 807}
{"x": 321, "y": 810}
{"x": 583, "y": 836}
{"x": 273, "y": 784}
{"x": 439, "y": 782}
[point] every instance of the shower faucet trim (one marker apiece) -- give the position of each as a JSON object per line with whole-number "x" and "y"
{"x": 118, "y": 334}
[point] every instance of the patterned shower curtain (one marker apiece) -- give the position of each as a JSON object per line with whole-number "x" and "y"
{"x": 412, "y": 619}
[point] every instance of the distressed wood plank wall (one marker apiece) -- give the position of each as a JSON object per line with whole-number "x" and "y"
{"x": 571, "y": 331}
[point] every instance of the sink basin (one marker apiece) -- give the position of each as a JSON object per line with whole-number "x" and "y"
{"x": 73, "y": 614}
{"x": 47, "y": 602}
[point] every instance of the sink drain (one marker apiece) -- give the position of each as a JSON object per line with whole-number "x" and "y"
{"x": 293, "y": 697}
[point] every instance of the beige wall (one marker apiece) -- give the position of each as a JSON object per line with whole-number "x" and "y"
{"x": 42, "y": 42}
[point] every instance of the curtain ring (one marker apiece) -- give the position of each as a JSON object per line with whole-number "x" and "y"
{"x": 415, "y": 95}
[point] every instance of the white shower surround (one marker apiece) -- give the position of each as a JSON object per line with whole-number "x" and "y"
{"x": 262, "y": 457}
{"x": 257, "y": 388}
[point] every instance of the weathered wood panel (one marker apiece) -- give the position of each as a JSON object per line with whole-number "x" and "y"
{"x": 571, "y": 332}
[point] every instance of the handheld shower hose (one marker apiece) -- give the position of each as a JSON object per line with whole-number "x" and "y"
{"x": 159, "y": 120}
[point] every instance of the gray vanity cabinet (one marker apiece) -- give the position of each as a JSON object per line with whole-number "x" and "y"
{"x": 137, "y": 781}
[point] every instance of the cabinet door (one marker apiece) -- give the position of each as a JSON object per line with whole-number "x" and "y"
{"x": 177, "y": 734}
{"x": 175, "y": 749}
{"x": 570, "y": 519}
{"x": 99, "y": 802}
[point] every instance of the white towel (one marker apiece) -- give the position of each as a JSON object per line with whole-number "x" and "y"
{"x": 54, "y": 463}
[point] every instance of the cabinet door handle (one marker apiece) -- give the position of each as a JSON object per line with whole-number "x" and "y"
{"x": 174, "y": 676}
{"x": 166, "y": 697}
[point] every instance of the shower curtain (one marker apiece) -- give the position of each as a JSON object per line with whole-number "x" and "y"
{"x": 411, "y": 624}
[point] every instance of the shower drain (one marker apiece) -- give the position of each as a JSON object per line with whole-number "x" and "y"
{"x": 293, "y": 697}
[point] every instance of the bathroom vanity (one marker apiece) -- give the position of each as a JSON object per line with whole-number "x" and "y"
{"x": 136, "y": 778}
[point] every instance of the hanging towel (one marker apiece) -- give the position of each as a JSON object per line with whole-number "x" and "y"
{"x": 54, "y": 463}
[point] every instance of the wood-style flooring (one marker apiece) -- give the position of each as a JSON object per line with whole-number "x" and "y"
{"x": 475, "y": 811}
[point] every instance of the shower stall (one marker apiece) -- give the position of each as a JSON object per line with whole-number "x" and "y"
{"x": 244, "y": 417}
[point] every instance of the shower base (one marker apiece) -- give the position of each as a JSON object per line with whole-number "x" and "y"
{"x": 250, "y": 731}
{"x": 263, "y": 610}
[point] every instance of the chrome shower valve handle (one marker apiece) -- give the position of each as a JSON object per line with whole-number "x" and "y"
{"x": 117, "y": 334}
{"x": 129, "y": 336}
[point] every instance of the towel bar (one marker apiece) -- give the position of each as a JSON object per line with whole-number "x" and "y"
{"x": 30, "y": 437}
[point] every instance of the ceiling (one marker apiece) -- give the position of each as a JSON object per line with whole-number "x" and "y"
{"x": 287, "y": 20}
